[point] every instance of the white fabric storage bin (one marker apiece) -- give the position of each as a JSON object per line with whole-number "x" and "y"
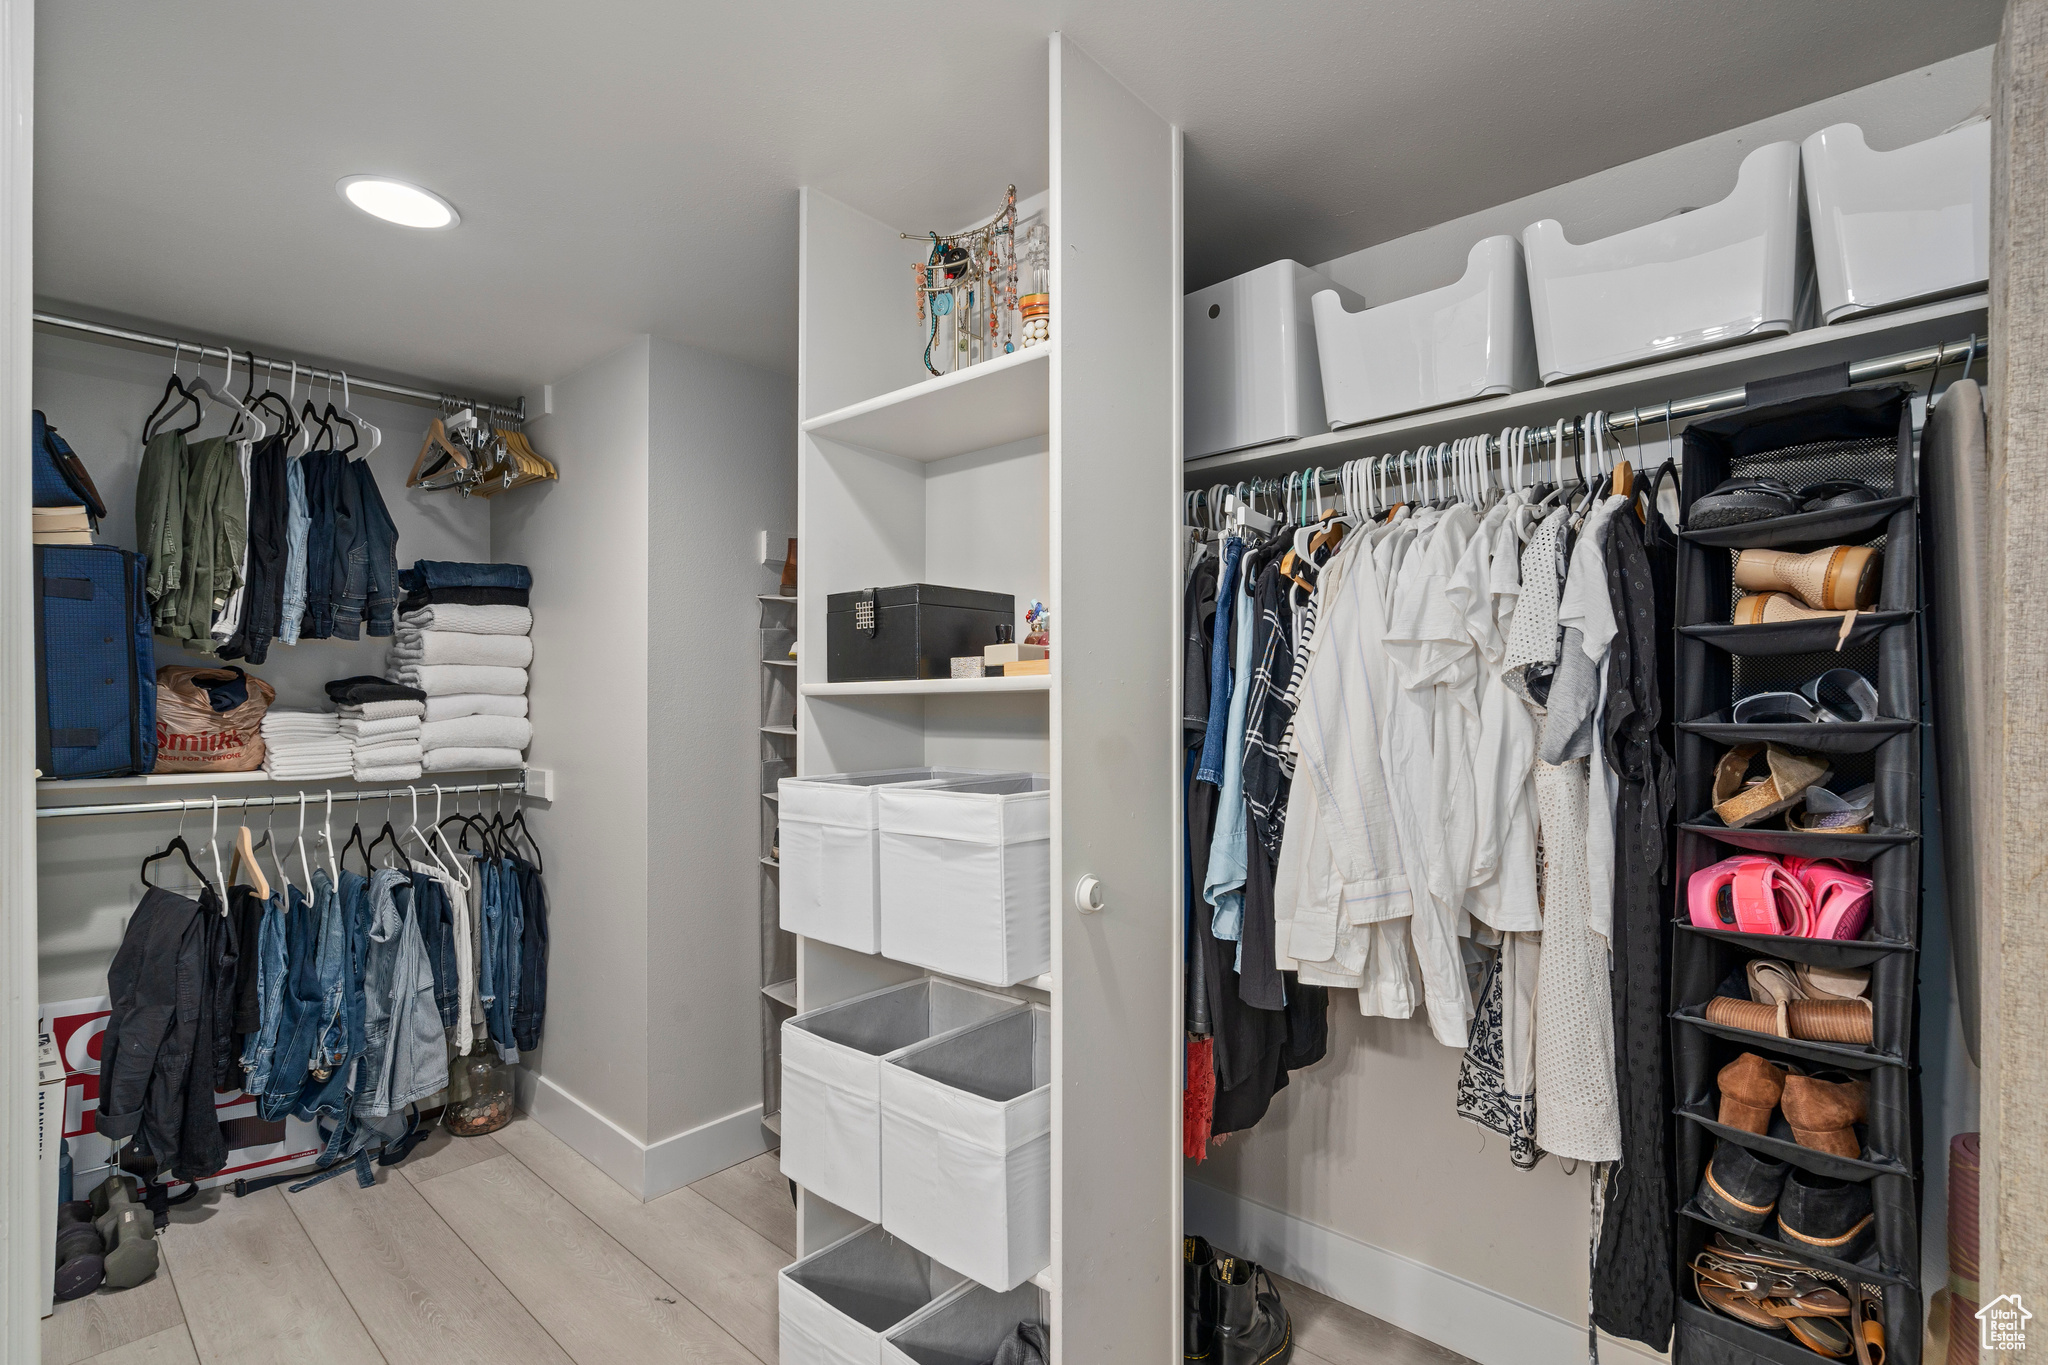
{"x": 836, "y": 1303}
{"x": 1248, "y": 357}
{"x": 1472, "y": 339}
{"x": 828, "y": 851}
{"x": 965, "y": 1326}
{"x": 831, "y": 1081}
{"x": 967, "y": 1147}
{"x": 1716, "y": 275}
{"x": 967, "y": 877}
{"x": 1898, "y": 227}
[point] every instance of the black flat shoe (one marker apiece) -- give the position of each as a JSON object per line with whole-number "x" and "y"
{"x": 1831, "y": 1216}
{"x": 1740, "y": 1188}
{"x": 1252, "y": 1325}
{"x": 1737, "y": 501}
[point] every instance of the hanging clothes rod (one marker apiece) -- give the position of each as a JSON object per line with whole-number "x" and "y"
{"x": 509, "y": 412}
{"x": 1726, "y": 400}
{"x": 210, "y": 803}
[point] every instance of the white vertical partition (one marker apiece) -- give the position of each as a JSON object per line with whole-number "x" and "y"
{"x": 1117, "y": 1032}
{"x": 1051, "y": 473}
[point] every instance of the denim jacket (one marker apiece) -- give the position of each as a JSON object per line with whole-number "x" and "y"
{"x": 405, "y": 1057}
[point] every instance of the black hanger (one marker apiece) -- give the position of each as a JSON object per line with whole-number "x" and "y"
{"x": 309, "y": 416}
{"x": 386, "y": 833}
{"x": 271, "y": 401}
{"x": 355, "y": 841}
{"x": 178, "y": 846}
{"x": 519, "y": 822}
{"x": 334, "y": 414}
{"x": 161, "y": 415}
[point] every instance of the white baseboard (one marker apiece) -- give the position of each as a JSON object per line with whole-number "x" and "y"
{"x": 647, "y": 1169}
{"x": 1467, "y": 1318}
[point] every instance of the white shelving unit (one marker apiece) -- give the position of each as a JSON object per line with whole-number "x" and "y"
{"x": 1050, "y": 473}
{"x": 777, "y": 636}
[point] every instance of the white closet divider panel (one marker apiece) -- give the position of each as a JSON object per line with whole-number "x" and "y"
{"x": 1116, "y": 411}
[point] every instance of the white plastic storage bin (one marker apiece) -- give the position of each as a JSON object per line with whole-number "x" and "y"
{"x": 1716, "y": 275}
{"x": 1248, "y": 359}
{"x": 965, "y": 1326}
{"x": 836, "y": 1303}
{"x": 1472, "y": 339}
{"x": 967, "y": 877}
{"x": 828, "y": 857}
{"x": 832, "y": 1086}
{"x": 967, "y": 1147}
{"x": 1892, "y": 228}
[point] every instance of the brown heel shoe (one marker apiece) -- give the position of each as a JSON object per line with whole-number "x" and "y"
{"x": 1750, "y": 1088}
{"x": 1824, "y": 1114}
{"x": 1841, "y": 578}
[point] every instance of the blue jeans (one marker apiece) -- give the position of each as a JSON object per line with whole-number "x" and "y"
{"x": 444, "y": 573}
{"x": 437, "y": 932}
{"x": 261, "y": 1046}
{"x": 299, "y": 1017}
{"x": 1216, "y": 740}
{"x": 298, "y": 528}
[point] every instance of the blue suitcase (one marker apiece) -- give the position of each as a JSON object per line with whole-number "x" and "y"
{"x": 95, "y": 664}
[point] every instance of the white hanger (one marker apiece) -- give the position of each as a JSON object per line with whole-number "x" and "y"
{"x": 220, "y": 881}
{"x": 376, "y": 437}
{"x": 327, "y": 838}
{"x": 284, "y": 879}
{"x": 225, "y": 396}
{"x": 454, "y": 854}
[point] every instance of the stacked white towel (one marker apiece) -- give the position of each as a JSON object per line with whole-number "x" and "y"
{"x": 301, "y": 746}
{"x": 471, "y": 662}
{"x": 386, "y": 739}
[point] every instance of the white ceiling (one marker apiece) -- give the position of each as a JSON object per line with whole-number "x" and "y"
{"x": 632, "y": 167}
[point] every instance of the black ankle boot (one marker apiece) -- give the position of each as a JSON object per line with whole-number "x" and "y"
{"x": 1252, "y": 1327}
{"x": 1197, "y": 1256}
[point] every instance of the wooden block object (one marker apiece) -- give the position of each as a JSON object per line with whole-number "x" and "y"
{"x": 1011, "y": 654}
{"x": 1025, "y": 667}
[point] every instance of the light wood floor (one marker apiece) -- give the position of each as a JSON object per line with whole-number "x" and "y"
{"x": 507, "y": 1249}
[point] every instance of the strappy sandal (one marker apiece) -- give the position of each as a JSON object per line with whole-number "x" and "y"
{"x": 1741, "y": 802}
{"x": 1828, "y": 813}
{"x": 1810, "y": 1313}
{"x": 1865, "y": 1329}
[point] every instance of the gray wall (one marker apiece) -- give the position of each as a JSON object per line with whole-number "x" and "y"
{"x": 722, "y": 469}
{"x": 585, "y": 538}
{"x": 1892, "y": 113}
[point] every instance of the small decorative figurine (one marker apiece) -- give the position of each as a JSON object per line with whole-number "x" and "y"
{"x": 1038, "y": 624}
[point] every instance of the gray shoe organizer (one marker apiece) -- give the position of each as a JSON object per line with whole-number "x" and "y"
{"x": 1829, "y": 432}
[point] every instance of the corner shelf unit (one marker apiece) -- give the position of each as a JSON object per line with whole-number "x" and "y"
{"x": 777, "y": 637}
{"x": 1048, "y": 473}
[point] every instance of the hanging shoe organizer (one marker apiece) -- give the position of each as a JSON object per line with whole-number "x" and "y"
{"x": 1803, "y": 430}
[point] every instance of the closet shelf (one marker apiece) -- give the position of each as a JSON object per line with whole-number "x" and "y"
{"x": 1033, "y": 682}
{"x": 771, "y": 796}
{"x": 775, "y": 597}
{"x": 770, "y": 862}
{"x": 778, "y": 663}
{"x": 990, "y": 404}
{"x": 1645, "y": 386}
{"x": 87, "y": 784}
{"x": 773, "y": 1122}
{"x": 1041, "y": 982}
{"x": 782, "y": 992}
{"x": 778, "y": 729}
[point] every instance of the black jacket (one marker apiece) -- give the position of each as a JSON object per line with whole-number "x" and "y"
{"x": 156, "y": 1059}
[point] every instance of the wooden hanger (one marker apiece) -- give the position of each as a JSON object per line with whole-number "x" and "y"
{"x": 245, "y": 856}
{"x": 435, "y": 451}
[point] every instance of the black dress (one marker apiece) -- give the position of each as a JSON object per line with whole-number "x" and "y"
{"x": 1632, "y": 1289}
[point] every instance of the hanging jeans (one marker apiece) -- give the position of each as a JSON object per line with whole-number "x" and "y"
{"x": 260, "y": 1049}
{"x": 296, "y": 1032}
{"x": 531, "y": 1006}
{"x": 436, "y": 919}
{"x": 404, "y": 1059}
{"x": 498, "y": 982}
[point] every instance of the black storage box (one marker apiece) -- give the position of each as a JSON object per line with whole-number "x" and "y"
{"x": 911, "y": 631}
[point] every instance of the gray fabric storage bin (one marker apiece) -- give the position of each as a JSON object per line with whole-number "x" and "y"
{"x": 831, "y": 1081}
{"x": 964, "y": 1326}
{"x": 836, "y": 1303}
{"x": 967, "y": 1147}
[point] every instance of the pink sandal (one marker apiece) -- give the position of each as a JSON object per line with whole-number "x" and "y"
{"x": 1750, "y": 894}
{"x": 1840, "y": 899}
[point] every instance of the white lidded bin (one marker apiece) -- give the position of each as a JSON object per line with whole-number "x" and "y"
{"x": 966, "y": 1326}
{"x": 832, "y": 1084}
{"x": 1472, "y": 339}
{"x": 1705, "y": 278}
{"x": 967, "y": 1147}
{"x": 836, "y": 1304}
{"x": 966, "y": 874}
{"x": 1248, "y": 359}
{"x": 828, "y": 851}
{"x": 1899, "y": 227}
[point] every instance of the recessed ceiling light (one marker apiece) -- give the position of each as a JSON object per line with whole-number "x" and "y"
{"x": 397, "y": 202}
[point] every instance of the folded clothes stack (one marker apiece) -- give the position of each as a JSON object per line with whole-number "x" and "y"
{"x": 464, "y": 640}
{"x": 302, "y": 746}
{"x": 381, "y": 720}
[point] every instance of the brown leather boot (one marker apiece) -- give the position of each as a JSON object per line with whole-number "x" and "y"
{"x": 1824, "y": 1113}
{"x": 1750, "y": 1087}
{"x": 1839, "y": 578}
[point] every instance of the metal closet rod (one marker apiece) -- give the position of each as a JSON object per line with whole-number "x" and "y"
{"x": 221, "y": 353}
{"x": 1863, "y": 372}
{"x": 210, "y": 804}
